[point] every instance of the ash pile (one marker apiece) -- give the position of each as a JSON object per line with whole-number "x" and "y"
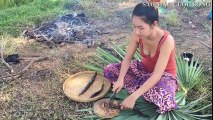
{"x": 71, "y": 28}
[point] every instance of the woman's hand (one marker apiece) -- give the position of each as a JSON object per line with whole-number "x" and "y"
{"x": 118, "y": 85}
{"x": 129, "y": 102}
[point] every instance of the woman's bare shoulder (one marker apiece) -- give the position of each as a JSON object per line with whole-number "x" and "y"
{"x": 134, "y": 37}
{"x": 169, "y": 43}
{"x": 170, "y": 40}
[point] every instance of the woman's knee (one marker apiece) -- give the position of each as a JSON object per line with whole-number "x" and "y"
{"x": 111, "y": 71}
{"x": 170, "y": 82}
{"x": 112, "y": 67}
{"x": 108, "y": 67}
{"x": 164, "y": 99}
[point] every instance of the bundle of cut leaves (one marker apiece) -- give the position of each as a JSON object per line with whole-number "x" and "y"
{"x": 188, "y": 76}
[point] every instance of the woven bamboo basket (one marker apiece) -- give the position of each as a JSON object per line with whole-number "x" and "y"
{"x": 77, "y": 82}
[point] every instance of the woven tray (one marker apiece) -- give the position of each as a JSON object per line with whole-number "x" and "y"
{"x": 77, "y": 82}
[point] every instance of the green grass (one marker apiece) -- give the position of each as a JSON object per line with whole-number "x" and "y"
{"x": 14, "y": 19}
{"x": 204, "y": 87}
{"x": 173, "y": 19}
{"x": 12, "y": 3}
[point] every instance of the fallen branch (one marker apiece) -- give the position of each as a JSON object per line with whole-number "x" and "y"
{"x": 205, "y": 44}
{"x": 33, "y": 61}
{"x": 3, "y": 61}
{"x": 18, "y": 75}
{"x": 10, "y": 75}
{"x": 29, "y": 58}
{"x": 47, "y": 39}
{"x": 28, "y": 66}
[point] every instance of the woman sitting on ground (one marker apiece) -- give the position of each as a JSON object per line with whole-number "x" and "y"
{"x": 155, "y": 77}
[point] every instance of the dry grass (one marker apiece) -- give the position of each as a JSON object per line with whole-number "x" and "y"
{"x": 10, "y": 44}
{"x": 39, "y": 100}
{"x": 39, "y": 95}
{"x": 94, "y": 8}
{"x": 208, "y": 28}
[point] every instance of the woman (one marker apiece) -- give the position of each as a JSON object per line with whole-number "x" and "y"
{"x": 155, "y": 77}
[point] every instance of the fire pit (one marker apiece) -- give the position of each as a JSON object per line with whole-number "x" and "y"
{"x": 71, "y": 28}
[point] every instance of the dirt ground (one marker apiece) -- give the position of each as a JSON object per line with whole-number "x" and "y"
{"x": 38, "y": 93}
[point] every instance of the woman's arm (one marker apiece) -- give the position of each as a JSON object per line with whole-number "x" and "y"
{"x": 160, "y": 67}
{"x": 129, "y": 55}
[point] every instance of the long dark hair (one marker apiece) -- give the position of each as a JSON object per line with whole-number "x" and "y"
{"x": 147, "y": 12}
